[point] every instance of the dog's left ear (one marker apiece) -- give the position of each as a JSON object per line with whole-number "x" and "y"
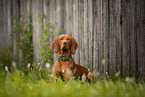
{"x": 55, "y": 45}
{"x": 74, "y": 46}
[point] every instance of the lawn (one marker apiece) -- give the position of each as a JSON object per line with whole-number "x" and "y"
{"x": 34, "y": 84}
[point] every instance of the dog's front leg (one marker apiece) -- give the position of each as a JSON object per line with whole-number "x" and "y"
{"x": 56, "y": 71}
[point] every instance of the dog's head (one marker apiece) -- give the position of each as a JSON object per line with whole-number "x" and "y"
{"x": 64, "y": 44}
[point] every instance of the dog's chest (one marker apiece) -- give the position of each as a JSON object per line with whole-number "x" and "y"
{"x": 67, "y": 65}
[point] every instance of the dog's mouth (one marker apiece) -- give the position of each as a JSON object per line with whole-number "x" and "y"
{"x": 64, "y": 49}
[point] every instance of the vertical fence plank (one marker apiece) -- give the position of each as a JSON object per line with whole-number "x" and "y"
{"x": 59, "y": 16}
{"x": 90, "y": 32}
{"x": 140, "y": 36}
{"x": 100, "y": 37}
{"x": 75, "y": 31}
{"x": 143, "y": 35}
{"x": 81, "y": 31}
{"x": 112, "y": 36}
{"x": 86, "y": 48}
{"x": 105, "y": 31}
{"x": 16, "y": 14}
{"x": 5, "y": 22}
{"x": 67, "y": 14}
{"x": 54, "y": 20}
{"x": 36, "y": 11}
{"x": 133, "y": 36}
{"x": 142, "y": 22}
{"x": 71, "y": 3}
{"x": 96, "y": 25}
{"x": 49, "y": 14}
{"x": 125, "y": 37}
{"x": 118, "y": 35}
{"x": 9, "y": 22}
{"x": 1, "y": 23}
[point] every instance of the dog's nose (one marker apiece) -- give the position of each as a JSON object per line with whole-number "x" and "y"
{"x": 64, "y": 42}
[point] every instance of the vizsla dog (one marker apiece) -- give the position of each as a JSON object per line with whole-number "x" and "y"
{"x": 65, "y": 67}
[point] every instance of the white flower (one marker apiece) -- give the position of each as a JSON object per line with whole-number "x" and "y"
{"x": 47, "y": 65}
{"x": 1, "y": 64}
{"x": 28, "y": 65}
{"x": 6, "y": 68}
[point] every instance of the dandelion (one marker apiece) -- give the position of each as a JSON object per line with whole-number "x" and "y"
{"x": 6, "y": 68}
{"x": 28, "y": 65}
{"x": 47, "y": 65}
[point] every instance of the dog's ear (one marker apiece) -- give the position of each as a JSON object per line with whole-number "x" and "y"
{"x": 55, "y": 45}
{"x": 74, "y": 46}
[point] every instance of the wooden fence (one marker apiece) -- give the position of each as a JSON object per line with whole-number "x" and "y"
{"x": 110, "y": 33}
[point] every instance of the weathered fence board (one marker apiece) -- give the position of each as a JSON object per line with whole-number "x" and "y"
{"x": 118, "y": 35}
{"x": 110, "y": 33}
{"x": 81, "y": 29}
{"x": 1, "y": 24}
{"x": 37, "y": 21}
{"x": 95, "y": 34}
{"x": 90, "y": 33}
{"x": 75, "y": 29}
{"x": 125, "y": 38}
{"x": 133, "y": 36}
{"x": 105, "y": 30}
{"x": 85, "y": 34}
{"x": 15, "y": 13}
{"x": 141, "y": 36}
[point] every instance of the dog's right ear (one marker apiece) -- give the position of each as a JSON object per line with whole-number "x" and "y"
{"x": 55, "y": 45}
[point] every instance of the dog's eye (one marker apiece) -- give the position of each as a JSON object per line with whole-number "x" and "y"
{"x": 61, "y": 38}
{"x": 68, "y": 38}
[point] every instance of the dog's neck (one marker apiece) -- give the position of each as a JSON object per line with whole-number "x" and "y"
{"x": 64, "y": 53}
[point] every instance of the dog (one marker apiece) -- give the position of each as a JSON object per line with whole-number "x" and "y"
{"x": 65, "y": 66}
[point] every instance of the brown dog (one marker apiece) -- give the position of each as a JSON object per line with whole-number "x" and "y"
{"x": 65, "y": 67}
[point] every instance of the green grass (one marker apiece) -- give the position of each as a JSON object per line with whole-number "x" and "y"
{"x": 34, "y": 84}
